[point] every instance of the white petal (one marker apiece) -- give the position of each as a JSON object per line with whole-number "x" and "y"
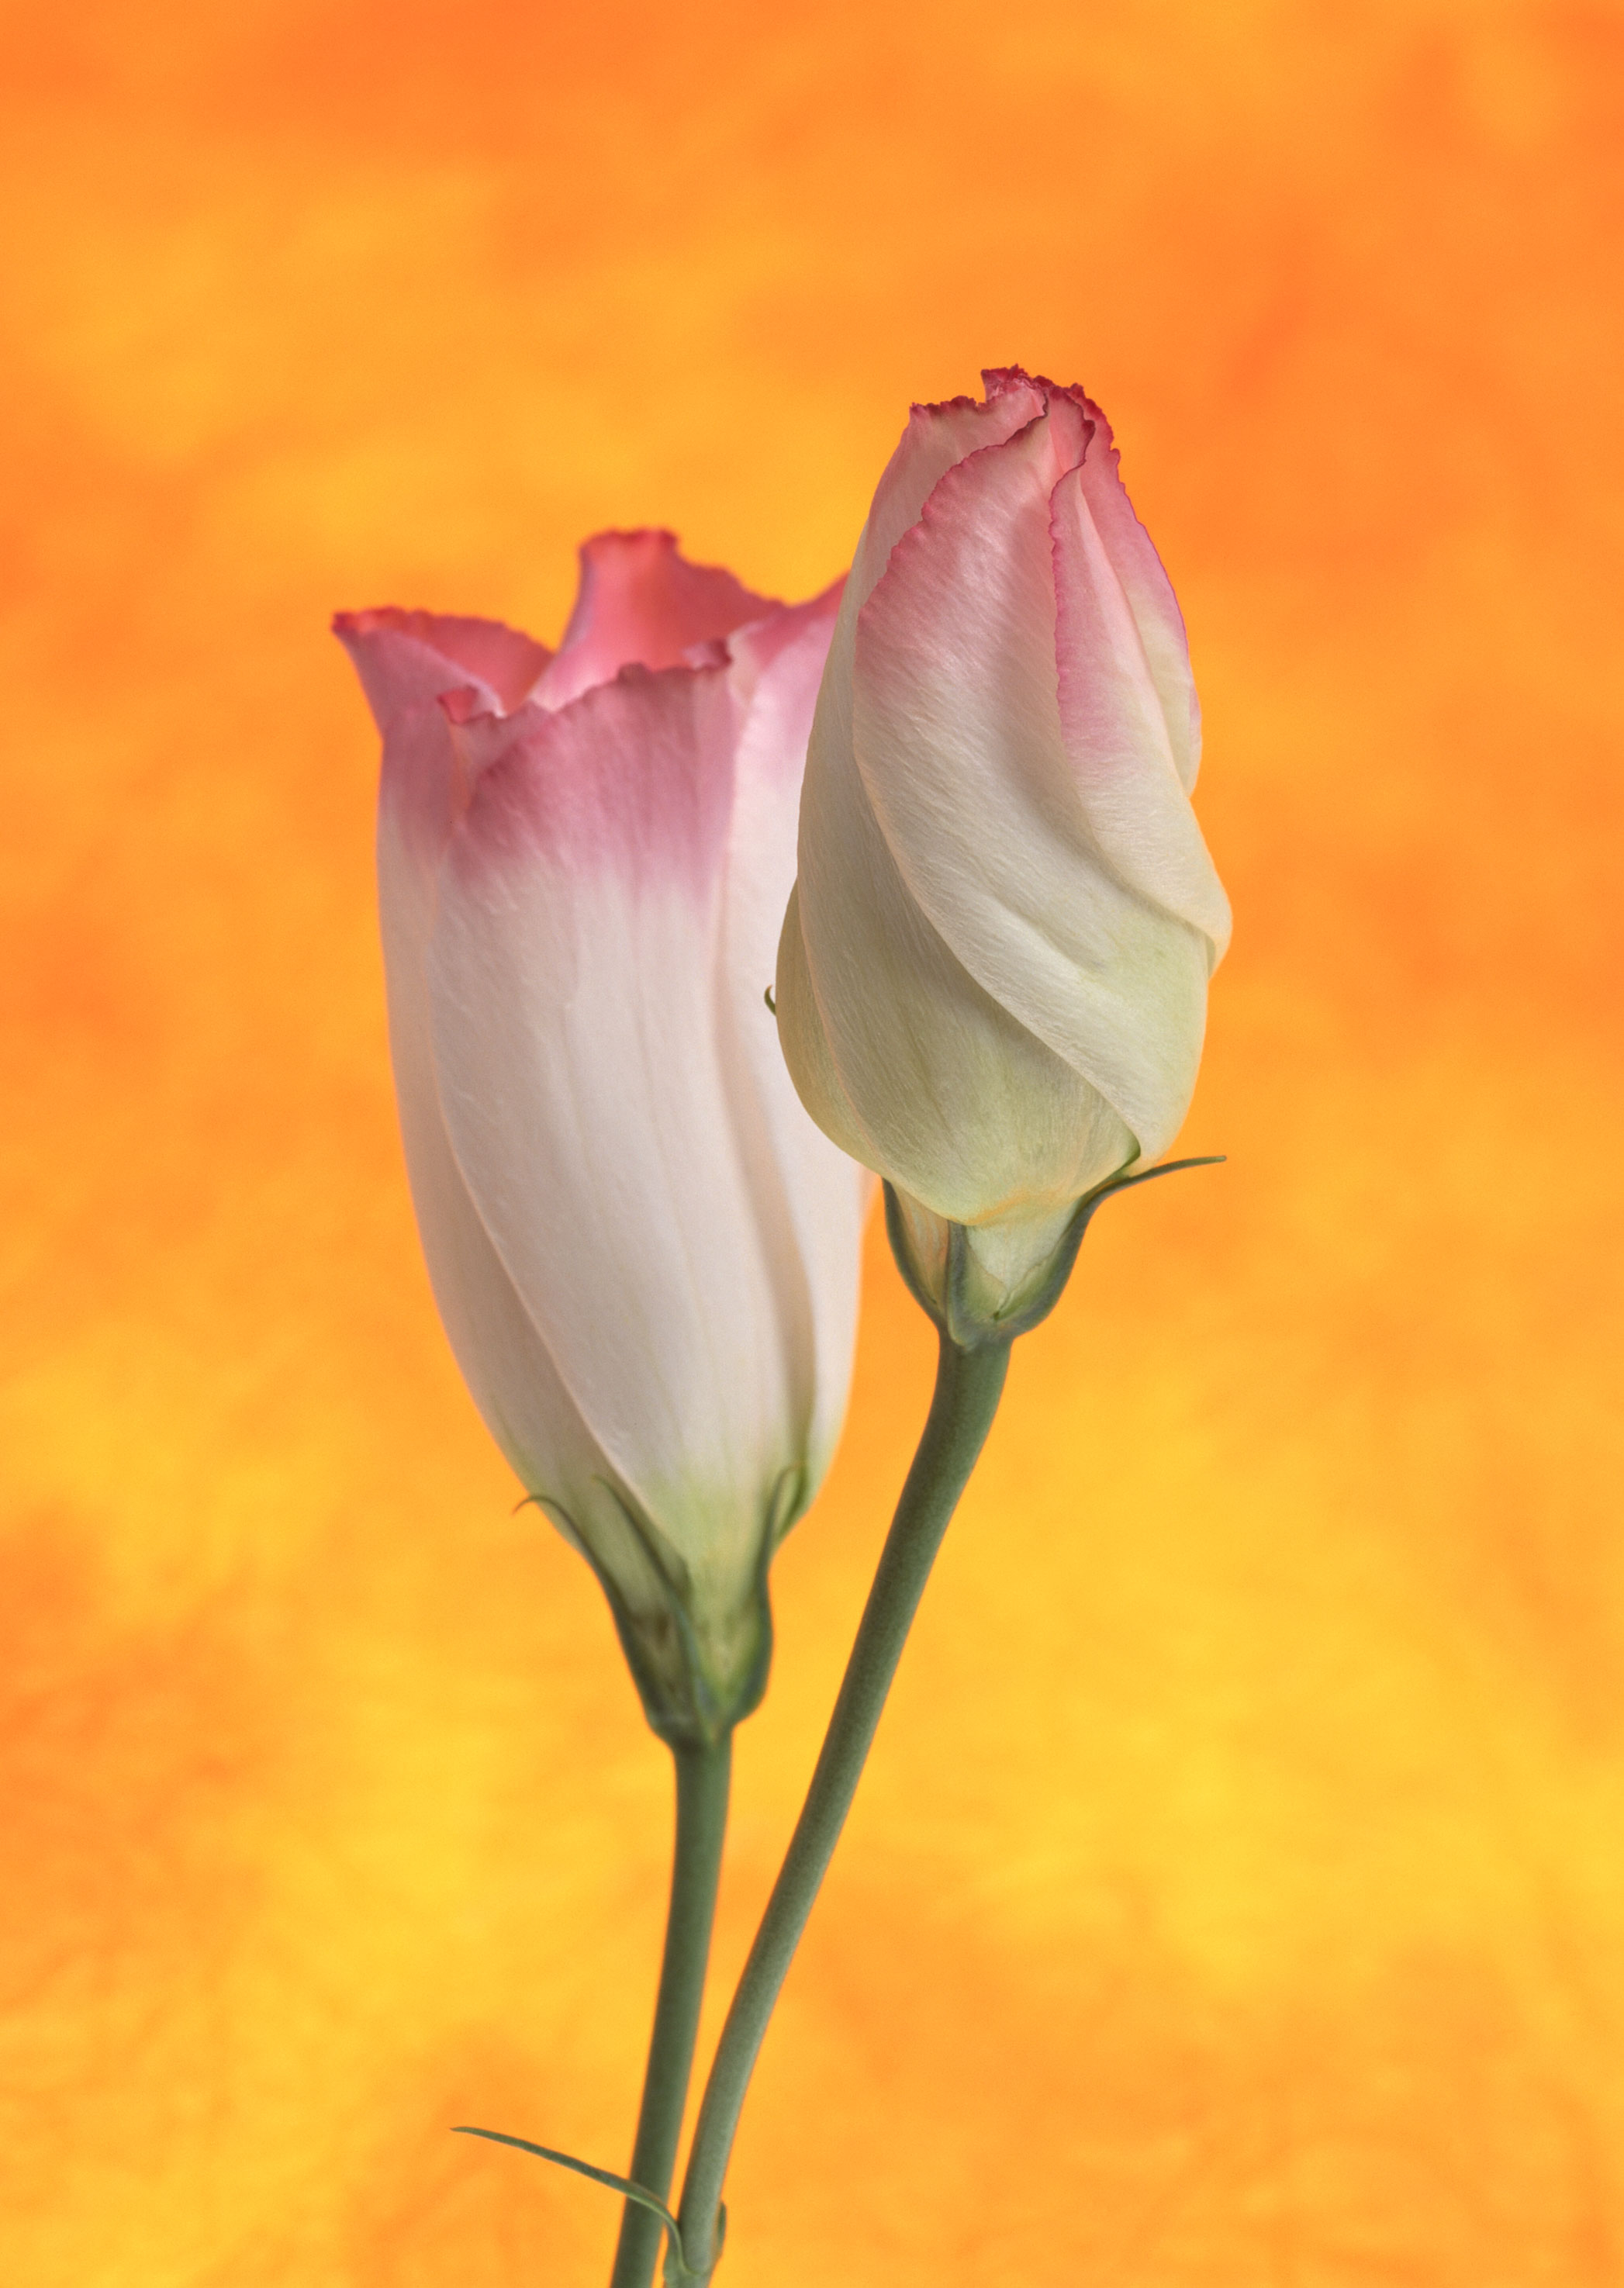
{"x": 810, "y": 1198}
{"x": 573, "y": 982}
{"x": 508, "y": 1369}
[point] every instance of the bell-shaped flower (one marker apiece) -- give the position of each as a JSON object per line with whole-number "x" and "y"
{"x": 992, "y": 979}
{"x": 644, "y": 1253}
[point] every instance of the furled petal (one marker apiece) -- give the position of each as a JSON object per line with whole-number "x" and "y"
{"x": 1114, "y": 729}
{"x": 898, "y": 1052}
{"x": 1150, "y": 596}
{"x": 640, "y": 601}
{"x": 936, "y": 438}
{"x": 574, "y": 1015}
{"x": 957, "y": 734}
{"x": 1145, "y": 582}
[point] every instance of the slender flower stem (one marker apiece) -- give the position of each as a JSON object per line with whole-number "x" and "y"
{"x": 702, "y": 1778}
{"x": 969, "y": 1384}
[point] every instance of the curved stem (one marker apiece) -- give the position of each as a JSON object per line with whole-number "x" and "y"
{"x": 969, "y": 1385}
{"x": 702, "y": 1778}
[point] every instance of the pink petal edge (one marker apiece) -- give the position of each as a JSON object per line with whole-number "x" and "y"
{"x": 635, "y": 777}
{"x": 405, "y": 657}
{"x": 641, "y": 602}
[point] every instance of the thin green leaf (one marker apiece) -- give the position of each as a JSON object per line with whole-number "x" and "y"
{"x": 621, "y": 2185}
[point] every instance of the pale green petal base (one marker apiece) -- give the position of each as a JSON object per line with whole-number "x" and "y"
{"x": 1004, "y": 1263}
{"x": 988, "y": 1283}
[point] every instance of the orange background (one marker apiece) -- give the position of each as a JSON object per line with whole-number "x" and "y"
{"x": 1237, "y": 1896}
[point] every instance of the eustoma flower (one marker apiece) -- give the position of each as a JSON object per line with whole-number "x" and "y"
{"x": 992, "y": 980}
{"x": 645, "y": 1254}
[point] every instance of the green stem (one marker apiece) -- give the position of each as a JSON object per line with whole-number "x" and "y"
{"x": 969, "y": 1385}
{"x": 702, "y": 1777}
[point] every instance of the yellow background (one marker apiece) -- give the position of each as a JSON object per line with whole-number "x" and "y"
{"x": 1235, "y": 1899}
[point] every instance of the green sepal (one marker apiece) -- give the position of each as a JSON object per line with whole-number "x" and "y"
{"x": 956, "y": 1316}
{"x": 681, "y": 1697}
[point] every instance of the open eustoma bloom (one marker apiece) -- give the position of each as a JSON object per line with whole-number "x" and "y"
{"x": 645, "y": 1254}
{"x": 992, "y": 980}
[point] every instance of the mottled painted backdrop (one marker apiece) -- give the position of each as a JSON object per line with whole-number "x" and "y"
{"x": 1237, "y": 1896}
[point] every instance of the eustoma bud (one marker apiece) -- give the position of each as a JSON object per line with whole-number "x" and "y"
{"x": 992, "y": 978}
{"x": 645, "y": 1254}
